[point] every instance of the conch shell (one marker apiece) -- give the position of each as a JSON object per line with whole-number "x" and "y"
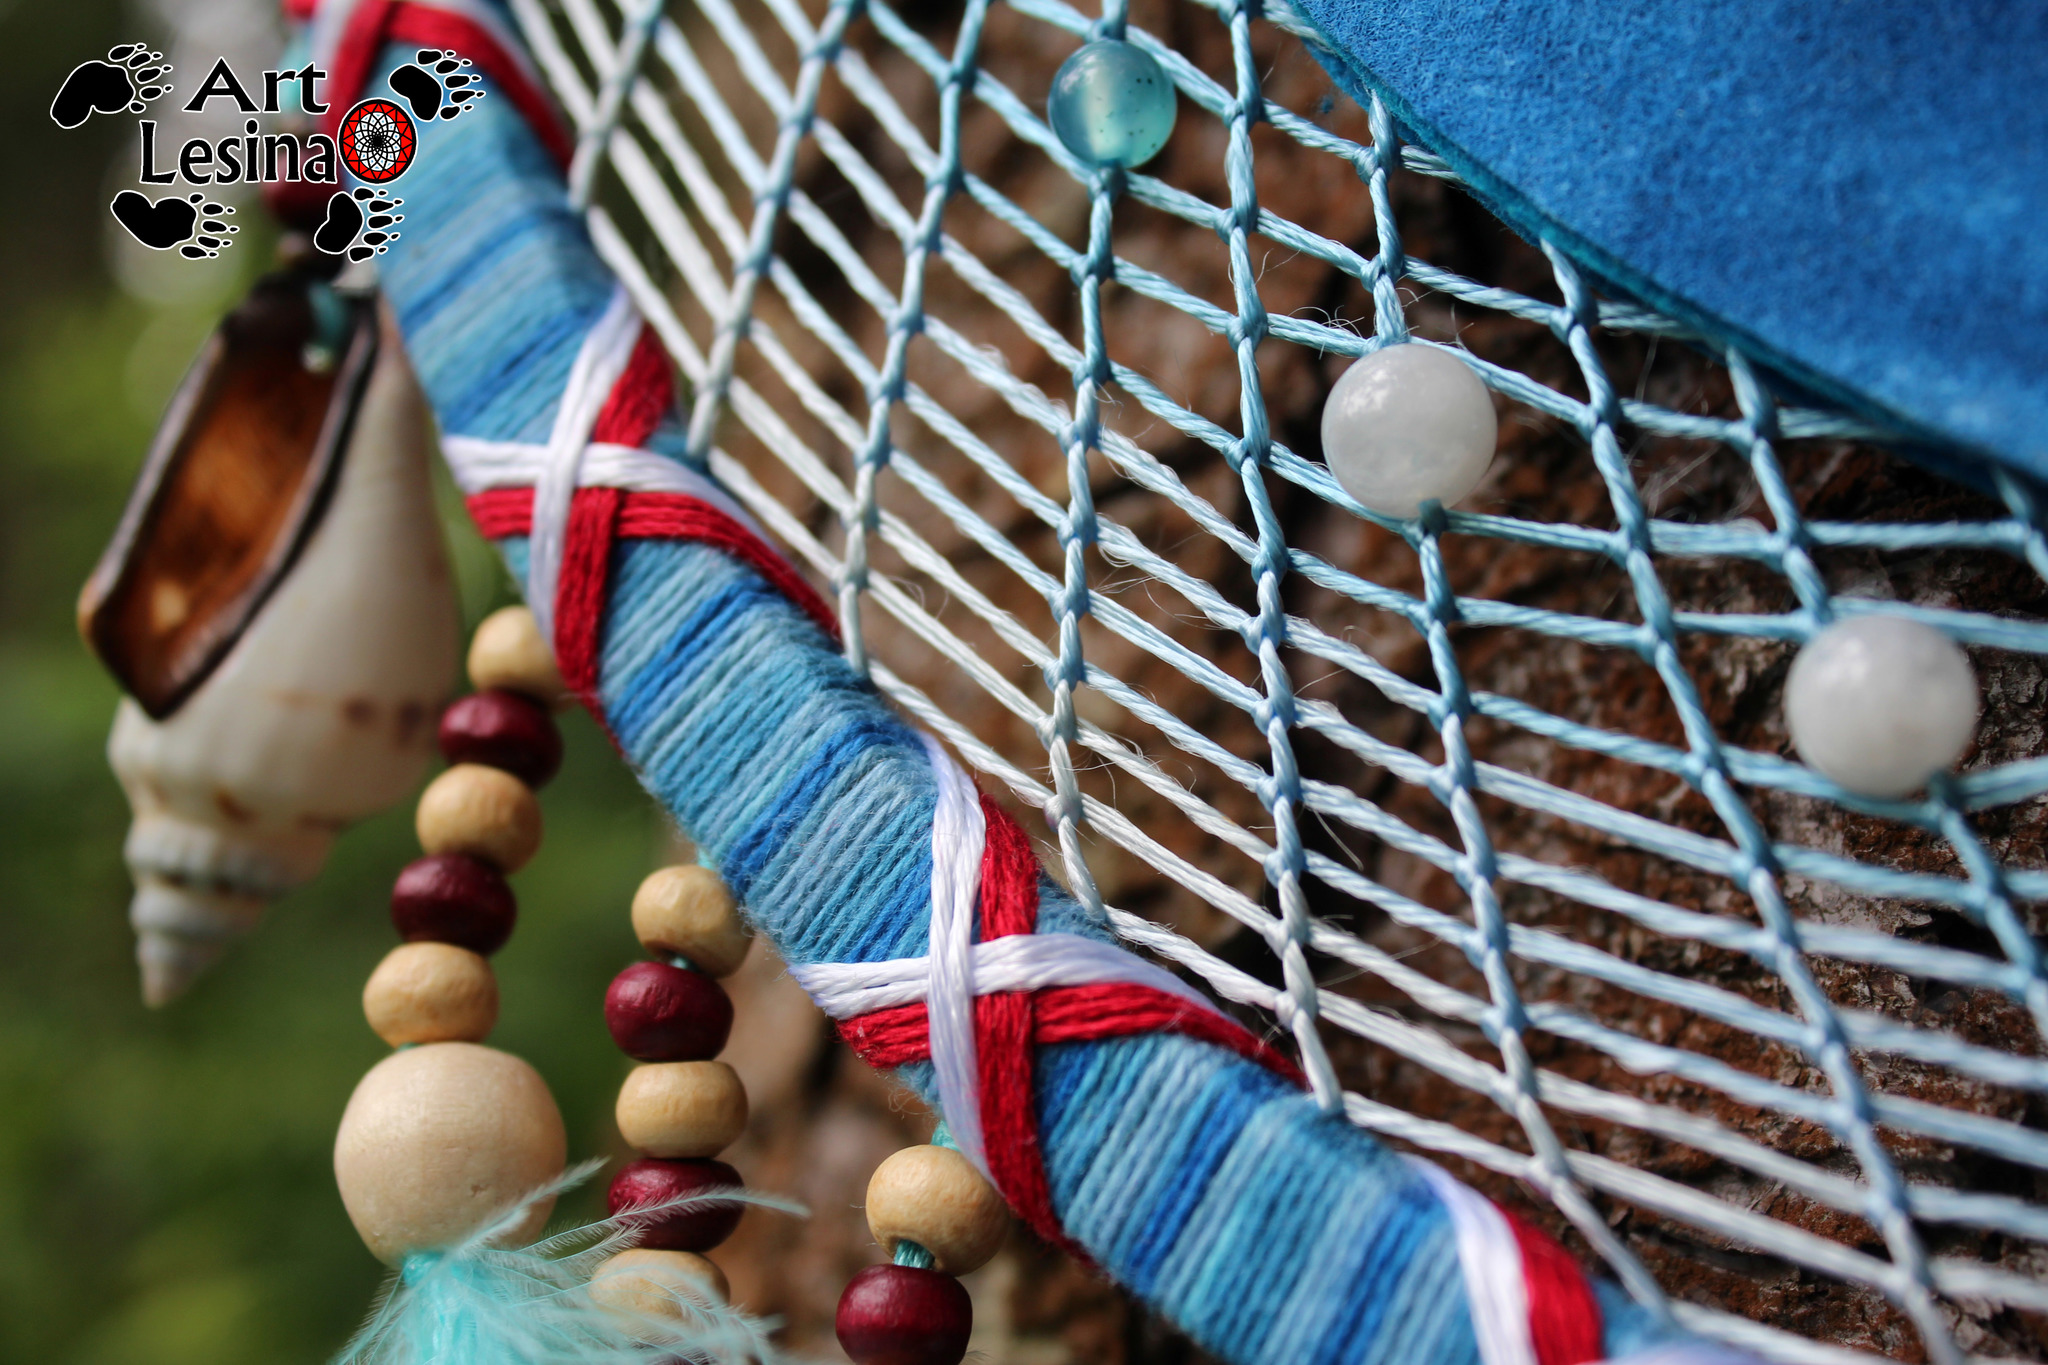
{"x": 321, "y": 708}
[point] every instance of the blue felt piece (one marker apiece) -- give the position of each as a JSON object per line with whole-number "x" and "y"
{"x": 1854, "y": 192}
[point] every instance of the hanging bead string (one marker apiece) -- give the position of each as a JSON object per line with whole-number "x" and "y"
{"x": 679, "y": 1107}
{"x": 445, "y": 1134}
{"x": 938, "y": 1219}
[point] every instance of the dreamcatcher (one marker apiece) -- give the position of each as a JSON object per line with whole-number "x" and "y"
{"x": 377, "y": 141}
{"x": 1553, "y": 781}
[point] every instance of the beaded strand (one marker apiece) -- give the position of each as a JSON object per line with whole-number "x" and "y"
{"x": 680, "y": 1108}
{"x": 476, "y": 822}
{"x": 446, "y": 1132}
{"x": 938, "y": 1218}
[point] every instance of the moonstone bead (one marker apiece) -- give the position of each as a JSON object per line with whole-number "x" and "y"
{"x": 1111, "y": 104}
{"x": 1880, "y": 704}
{"x": 1407, "y": 424}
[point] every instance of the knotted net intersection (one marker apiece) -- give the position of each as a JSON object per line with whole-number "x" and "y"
{"x": 1038, "y": 426}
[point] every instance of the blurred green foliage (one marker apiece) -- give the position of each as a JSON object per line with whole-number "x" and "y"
{"x": 165, "y": 1190}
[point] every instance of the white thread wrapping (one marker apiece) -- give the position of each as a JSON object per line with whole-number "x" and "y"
{"x": 1491, "y": 1260}
{"x": 599, "y": 363}
{"x": 958, "y": 833}
{"x": 1020, "y": 962}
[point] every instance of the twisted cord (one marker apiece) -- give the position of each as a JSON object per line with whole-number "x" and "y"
{"x": 1267, "y": 634}
{"x": 1851, "y": 1118}
{"x": 1076, "y": 527}
{"x": 710, "y": 398}
{"x": 906, "y": 321}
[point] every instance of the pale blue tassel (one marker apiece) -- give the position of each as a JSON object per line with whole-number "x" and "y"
{"x": 476, "y": 1304}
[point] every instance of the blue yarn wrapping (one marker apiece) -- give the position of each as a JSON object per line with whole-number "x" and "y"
{"x": 1214, "y": 1190}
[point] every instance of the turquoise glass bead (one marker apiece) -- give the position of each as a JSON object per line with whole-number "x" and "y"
{"x": 1111, "y": 104}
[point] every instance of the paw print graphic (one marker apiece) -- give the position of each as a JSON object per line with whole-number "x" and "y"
{"x": 128, "y": 79}
{"x": 355, "y": 224}
{"x": 196, "y": 226}
{"x": 436, "y": 86}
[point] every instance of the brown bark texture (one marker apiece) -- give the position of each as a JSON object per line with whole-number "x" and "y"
{"x": 823, "y": 1121}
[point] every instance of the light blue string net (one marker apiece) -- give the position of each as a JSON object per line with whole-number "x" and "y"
{"x": 1113, "y": 603}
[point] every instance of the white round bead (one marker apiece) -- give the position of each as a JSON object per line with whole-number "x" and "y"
{"x": 651, "y": 1287}
{"x": 933, "y": 1196}
{"x": 1880, "y": 704}
{"x": 682, "y": 1109}
{"x": 439, "y": 1139}
{"x": 689, "y": 911}
{"x": 509, "y": 651}
{"x": 431, "y": 993}
{"x": 1407, "y": 424}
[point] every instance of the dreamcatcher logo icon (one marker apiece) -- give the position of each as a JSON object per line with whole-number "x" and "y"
{"x": 377, "y": 141}
{"x": 296, "y": 159}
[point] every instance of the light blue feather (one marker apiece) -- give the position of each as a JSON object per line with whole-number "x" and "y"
{"x": 478, "y": 1304}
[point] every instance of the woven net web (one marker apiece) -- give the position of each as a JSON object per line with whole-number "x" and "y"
{"x": 1491, "y": 812}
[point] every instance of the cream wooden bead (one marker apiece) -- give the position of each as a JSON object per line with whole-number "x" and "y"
{"x": 507, "y": 651}
{"x": 431, "y": 993}
{"x": 689, "y": 911}
{"x": 682, "y": 1109}
{"x": 933, "y": 1196}
{"x": 481, "y": 812}
{"x": 644, "y": 1283}
{"x": 438, "y": 1140}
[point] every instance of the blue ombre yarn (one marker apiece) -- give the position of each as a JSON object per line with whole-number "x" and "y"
{"x": 1273, "y": 1233}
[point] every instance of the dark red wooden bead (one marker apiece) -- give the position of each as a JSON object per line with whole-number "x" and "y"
{"x": 659, "y": 1013}
{"x": 900, "y": 1315}
{"x": 448, "y": 898}
{"x": 503, "y": 730}
{"x": 652, "y": 1180}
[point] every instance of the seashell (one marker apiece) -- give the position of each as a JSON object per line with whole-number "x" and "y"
{"x": 319, "y": 711}
{"x": 236, "y": 480}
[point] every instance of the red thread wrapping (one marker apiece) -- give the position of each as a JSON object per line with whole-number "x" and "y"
{"x": 502, "y": 512}
{"x": 579, "y": 591}
{"x": 1003, "y": 1029}
{"x": 1072, "y": 1014}
{"x": 640, "y": 398}
{"x": 354, "y": 56}
{"x": 1564, "y": 1318}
